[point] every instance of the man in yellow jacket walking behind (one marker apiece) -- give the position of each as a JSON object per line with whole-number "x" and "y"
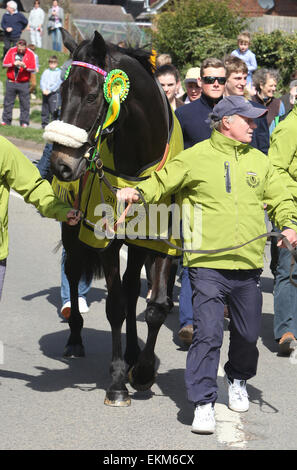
{"x": 227, "y": 181}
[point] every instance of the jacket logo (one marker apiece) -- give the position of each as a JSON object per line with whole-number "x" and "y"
{"x": 252, "y": 179}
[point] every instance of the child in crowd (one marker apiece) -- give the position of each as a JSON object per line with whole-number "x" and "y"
{"x": 245, "y": 54}
{"x": 50, "y": 83}
{"x": 33, "y": 83}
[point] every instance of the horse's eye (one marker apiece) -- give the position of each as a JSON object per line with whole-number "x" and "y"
{"x": 91, "y": 97}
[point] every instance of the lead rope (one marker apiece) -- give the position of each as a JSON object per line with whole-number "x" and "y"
{"x": 288, "y": 245}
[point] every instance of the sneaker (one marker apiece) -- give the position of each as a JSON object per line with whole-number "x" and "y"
{"x": 66, "y": 310}
{"x": 3, "y": 123}
{"x": 287, "y": 343}
{"x": 24, "y": 125}
{"x": 185, "y": 334}
{"x": 238, "y": 397}
{"x": 204, "y": 419}
{"x": 82, "y": 305}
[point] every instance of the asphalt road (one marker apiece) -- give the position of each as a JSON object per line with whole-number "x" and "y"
{"x": 48, "y": 402}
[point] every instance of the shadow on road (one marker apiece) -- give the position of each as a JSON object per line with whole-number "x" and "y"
{"x": 53, "y": 296}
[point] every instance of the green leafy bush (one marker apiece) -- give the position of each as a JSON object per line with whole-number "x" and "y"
{"x": 190, "y": 30}
{"x": 276, "y": 50}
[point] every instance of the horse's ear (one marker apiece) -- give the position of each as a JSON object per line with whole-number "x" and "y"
{"x": 68, "y": 41}
{"x": 98, "y": 47}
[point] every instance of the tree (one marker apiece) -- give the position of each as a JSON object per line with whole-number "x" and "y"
{"x": 191, "y": 30}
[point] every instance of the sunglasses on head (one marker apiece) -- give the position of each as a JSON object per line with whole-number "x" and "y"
{"x": 211, "y": 80}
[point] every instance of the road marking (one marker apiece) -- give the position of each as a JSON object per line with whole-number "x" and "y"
{"x": 229, "y": 429}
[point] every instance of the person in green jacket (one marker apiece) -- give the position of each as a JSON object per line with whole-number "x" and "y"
{"x": 283, "y": 156}
{"x": 227, "y": 182}
{"x": 18, "y": 173}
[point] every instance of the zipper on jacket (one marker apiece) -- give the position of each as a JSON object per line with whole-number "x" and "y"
{"x": 227, "y": 176}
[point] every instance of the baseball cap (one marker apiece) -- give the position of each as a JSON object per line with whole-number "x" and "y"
{"x": 235, "y": 105}
{"x": 192, "y": 74}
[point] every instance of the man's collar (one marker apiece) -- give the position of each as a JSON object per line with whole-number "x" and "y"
{"x": 211, "y": 102}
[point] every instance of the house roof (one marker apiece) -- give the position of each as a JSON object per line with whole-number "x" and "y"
{"x": 88, "y": 11}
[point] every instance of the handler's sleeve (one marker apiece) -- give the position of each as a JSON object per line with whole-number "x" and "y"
{"x": 18, "y": 173}
{"x": 280, "y": 204}
{"x": 283, "y": 156}
{"x": 173, "y": 177}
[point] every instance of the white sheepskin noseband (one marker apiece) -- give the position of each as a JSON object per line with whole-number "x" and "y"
{"x": 65, "y": 134}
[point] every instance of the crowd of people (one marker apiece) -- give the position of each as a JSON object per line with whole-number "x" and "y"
{"x": 240, "y": 148}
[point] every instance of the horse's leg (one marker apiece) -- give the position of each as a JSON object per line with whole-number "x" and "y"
{"x": 142, "y": 375}
{"x": 117, "y": 393}
{"x": 131, "y": 287}
{"x": 73, "y": 271}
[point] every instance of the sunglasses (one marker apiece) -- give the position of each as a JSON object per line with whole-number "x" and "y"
{"x": 211, "y": 80}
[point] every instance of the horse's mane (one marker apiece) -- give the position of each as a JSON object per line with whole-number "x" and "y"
{"x": 142, "y": 55}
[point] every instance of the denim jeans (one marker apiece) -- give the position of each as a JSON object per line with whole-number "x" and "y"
{"x": 57, "y": 39}
{"x": 83, "y": 285}
{"x": 285, "y": 296}
{"x": 185, "y": 300}
{"x": 44, "y": 164}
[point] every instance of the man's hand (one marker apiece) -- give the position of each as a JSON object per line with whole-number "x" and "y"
{"x": 129, "y": 195}
{"x": 291, "y": 235}
{"x": 73, "y": 217}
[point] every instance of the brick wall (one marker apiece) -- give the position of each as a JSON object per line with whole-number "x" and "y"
{"x": 281, "y": 8}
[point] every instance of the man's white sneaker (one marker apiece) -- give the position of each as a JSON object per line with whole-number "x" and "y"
{"x": 82, "y": 305}
{"x": 238, "y": 397}
{"x": 204, "y": 419}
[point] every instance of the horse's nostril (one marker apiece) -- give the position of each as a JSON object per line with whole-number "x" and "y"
{"x": 65, "y": 171}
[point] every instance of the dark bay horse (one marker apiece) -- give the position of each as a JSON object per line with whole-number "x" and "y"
{"x": 137, "y": 138}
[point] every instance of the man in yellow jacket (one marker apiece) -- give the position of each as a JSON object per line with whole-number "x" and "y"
{"x": 226, "y": 181}
{"x": 283, "y": 153}
{"x": 18, "y": 173}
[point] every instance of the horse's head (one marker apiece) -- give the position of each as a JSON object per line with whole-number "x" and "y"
{"x": 83, "y": 105}
{"x": 97, "y": 82}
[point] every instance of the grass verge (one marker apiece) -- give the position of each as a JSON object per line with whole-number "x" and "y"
{"x": 29, "y": 133}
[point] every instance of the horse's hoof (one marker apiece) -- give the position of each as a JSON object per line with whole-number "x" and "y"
{"x": 117, "y": 398}
{"x": 74, "y": 350}
{"x": 140, "y": 387}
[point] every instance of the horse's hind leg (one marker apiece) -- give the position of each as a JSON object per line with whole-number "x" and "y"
{"x": 142, "y": 375}
{"x": 117, "y": 393}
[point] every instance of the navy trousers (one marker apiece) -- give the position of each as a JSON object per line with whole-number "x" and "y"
{"x": 212, "y": 289}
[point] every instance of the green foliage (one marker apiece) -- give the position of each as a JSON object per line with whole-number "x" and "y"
{"x": 207, "y": 43}
{"x": 276, "y": 50}
{"x": 209, "y": 25}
